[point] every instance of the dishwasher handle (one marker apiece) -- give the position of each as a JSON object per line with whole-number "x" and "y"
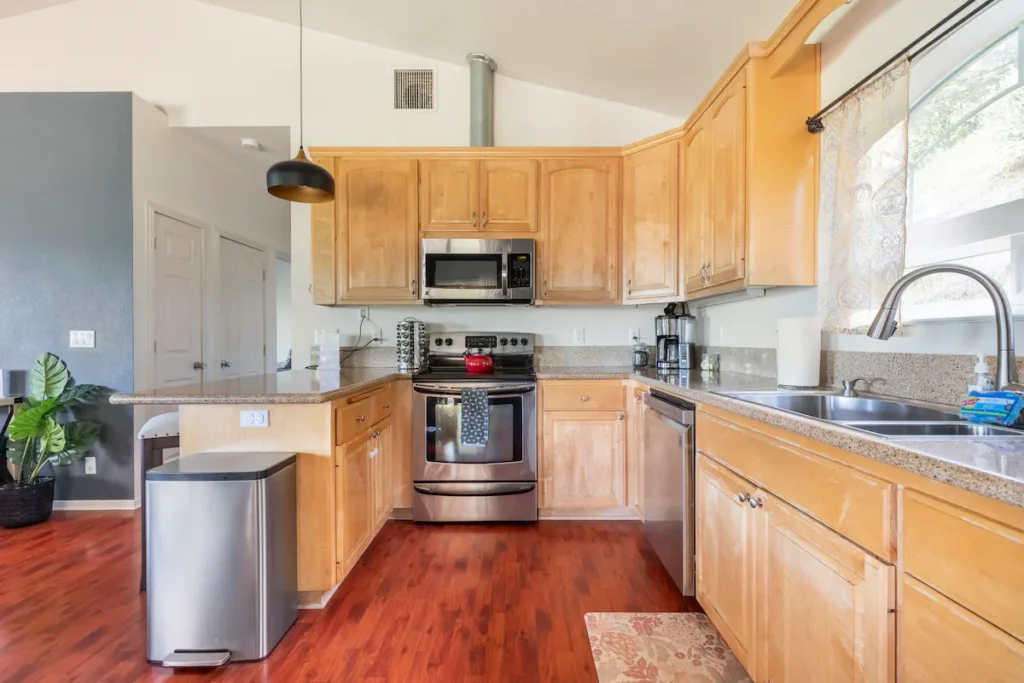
{"x": 681, "y": 412}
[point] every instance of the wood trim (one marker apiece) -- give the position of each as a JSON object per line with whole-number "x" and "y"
{"x": 466, "y": 152}
{"x": 323, "y": 238}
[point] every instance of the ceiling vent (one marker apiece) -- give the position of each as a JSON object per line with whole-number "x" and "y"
{"x": 414, "y": 88}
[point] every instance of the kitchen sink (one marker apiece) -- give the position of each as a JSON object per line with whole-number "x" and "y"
{"x": 936, "y": 430}
{"x": 837, "y": 408}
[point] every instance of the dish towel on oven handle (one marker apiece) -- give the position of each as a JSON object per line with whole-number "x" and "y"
{"x": 475, "y": 414}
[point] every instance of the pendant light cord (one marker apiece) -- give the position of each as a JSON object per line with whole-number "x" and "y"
{"x": 301, "y": 95}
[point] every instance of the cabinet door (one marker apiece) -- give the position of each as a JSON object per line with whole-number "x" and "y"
{"x": 584, "y": 460}
{"x": 378, "y": 245}
{"x": 449, "y": 195}
{"x": 824, "y": 595}
{"x": 728, "y": 122}
{"x": 650, "y": 229}
{"x": 508, "y": 195}
{"x": 726, "y": 548}
{"x": 580, "y": 224}
{"x": 381, "y": 473}
{"x": 323, "y": 240}
{"x": 695, "y": 206}
{"x": 942, "y": 642}
{"x": 635, "y": 451}
{"x": 353, "y": 499}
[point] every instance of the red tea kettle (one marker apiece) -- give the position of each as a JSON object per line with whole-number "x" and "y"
{"x": 478, "y": 363}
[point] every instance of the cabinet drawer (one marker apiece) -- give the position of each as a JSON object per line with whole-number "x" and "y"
{"x": 603, "y": 395}
{"x": 857, "y": 505}
{"x": 382, "y": 404}
{"x": 352, "y": 419}
{"x": 941, "y": 642}
{"x": 976, "y": 561}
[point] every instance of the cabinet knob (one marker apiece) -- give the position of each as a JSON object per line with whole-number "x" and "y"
{"x": 387, "y": 406}
{"x": 584, "y": 398}
{"x": 755, "y": 502}
{"x": 225, "y": 364}
{"x": 743, "y": 497}
{"x": 621, "y": 416}
{"x": 199, "y": 365}
{"x": 361, "y": 418}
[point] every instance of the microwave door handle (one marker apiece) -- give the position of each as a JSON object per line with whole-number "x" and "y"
{"x": 504, "y": 276}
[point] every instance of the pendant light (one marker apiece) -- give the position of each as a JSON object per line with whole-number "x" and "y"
{"x": 299, "y": 179}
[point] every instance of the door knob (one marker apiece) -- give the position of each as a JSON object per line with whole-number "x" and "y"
{"x": 225, "y": 364}
{"x": 199, "y": 365}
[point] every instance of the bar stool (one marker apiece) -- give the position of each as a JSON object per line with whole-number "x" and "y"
{"x": 157, "y": 435}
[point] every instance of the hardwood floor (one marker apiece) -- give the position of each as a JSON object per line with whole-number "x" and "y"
{"x": 425, "y": 603}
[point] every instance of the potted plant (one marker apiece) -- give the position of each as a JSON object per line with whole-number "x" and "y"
{"x": 44, "y": 430}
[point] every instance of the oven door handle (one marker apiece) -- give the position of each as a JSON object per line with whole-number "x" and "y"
{"x": 446, "y": 390}
{"x": 475, "y": 489}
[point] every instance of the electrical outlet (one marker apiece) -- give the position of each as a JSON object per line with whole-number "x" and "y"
{"x": 90, "y": 465}
{"x": 255, "y": 418}
{"x": 83, "y": 339}
{"x": 579, "y": 335}
{"x": 364, "y": 312}
{"x": 633, "y": 335}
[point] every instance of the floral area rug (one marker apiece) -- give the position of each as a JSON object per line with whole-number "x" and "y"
{"x": 658, "y": 648}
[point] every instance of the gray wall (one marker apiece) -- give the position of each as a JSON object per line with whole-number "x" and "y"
{"x": 66, "y": 257}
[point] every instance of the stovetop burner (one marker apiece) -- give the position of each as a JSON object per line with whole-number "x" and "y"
{"x": 512, "y": 355}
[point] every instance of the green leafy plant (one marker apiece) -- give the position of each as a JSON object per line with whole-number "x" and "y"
{"x": 44, "y": 429}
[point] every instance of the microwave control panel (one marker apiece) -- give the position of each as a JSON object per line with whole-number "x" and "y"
{"x": 520, "y": 271}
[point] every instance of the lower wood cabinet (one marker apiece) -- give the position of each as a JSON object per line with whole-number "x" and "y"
{"x": 635, "y": 449}
{"x": 381, "y": 457}
{"x": 353, "y": 499}
{"x": 583, "y": 459}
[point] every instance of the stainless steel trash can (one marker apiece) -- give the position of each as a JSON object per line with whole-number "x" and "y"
{"x": 221, "y": 557}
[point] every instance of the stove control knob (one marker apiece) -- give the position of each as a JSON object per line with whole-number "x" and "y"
{"x": 524, "y": 341}
{"x": 438, "y": 342}
{"x": 448, "y": 341}
{"x": 503, "y": 341}
{"x": 514, "y": 341}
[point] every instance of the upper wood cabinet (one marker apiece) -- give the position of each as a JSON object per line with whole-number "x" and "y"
{"x": 471, "y": 195}
{"x": 579, "y": 252}
{"x": 650, "y": 226}
{"x": 695, "y": 205}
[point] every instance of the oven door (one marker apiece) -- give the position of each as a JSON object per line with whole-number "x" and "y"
{"x": 465, "y": 270}
{"x": 511, "y": 450}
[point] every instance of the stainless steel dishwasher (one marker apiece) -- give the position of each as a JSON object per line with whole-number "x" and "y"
{"x": 669, "y": 454}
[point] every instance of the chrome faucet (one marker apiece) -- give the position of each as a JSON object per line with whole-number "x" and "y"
{"x": 884, "y": 324}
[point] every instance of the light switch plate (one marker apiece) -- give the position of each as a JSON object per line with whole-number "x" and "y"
{"x": 90, "y": 465}
{"x": 633, "y": 335}
{"x": 83, "y": 339}
{"x": 255, "y": 418}
{"x": 579, "y": 335}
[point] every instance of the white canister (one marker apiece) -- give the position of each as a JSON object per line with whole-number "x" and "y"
{"x": 798, "y": 352}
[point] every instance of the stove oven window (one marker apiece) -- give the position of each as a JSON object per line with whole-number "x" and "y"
{"x": 505, "y": 436}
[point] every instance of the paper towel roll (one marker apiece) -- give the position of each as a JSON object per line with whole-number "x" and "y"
{"x": 798, "y": 352}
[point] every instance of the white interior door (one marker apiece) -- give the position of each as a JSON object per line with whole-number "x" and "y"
{"x": 178, "y": 302}
{"x": 241, "y": 310}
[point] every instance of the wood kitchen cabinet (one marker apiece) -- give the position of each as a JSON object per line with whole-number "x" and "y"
{"x": 650, "y": 226}
{"x": 580, "y": 218}
{"x": 695, "y": 205}
{"x": 473, "y": 195}
{"x": 353, "y": 500}
{"x": 635, "y": 410}
{"x": 584, "y": 459}
{"x": 365, "y": 244}
{"x": 381, "y": 464}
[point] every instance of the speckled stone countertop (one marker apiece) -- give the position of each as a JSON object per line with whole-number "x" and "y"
{"x": 293, "y": 386}
{"x": 993, "y": 468}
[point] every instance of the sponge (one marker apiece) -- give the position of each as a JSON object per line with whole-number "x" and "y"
{"x": 996, "y": 407}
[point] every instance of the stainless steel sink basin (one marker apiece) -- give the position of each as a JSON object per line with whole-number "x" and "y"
{"x": 936, "y": 430}
{"x": 836, "y": 408}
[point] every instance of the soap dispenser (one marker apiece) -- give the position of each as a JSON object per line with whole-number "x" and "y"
{"x": 982, "y": 377}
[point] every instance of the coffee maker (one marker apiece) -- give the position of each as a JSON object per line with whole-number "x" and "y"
{"x": 674, "y": 336}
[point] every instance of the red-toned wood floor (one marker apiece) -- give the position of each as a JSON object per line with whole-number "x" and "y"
{"x": 448, "y": 603}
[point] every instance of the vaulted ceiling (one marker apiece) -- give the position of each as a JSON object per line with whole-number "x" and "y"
{"x": 661, "y": 55}
{"x": 9, "y": 8}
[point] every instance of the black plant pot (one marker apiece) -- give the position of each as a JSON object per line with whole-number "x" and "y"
{"x": 26, "y": 505}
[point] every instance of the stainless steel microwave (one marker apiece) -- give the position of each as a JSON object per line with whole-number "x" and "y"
{"x": 478, "y": 272}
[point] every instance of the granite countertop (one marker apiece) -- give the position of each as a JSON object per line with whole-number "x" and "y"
{"x": 993, "y": 468}
{"x": 292, "y": 386}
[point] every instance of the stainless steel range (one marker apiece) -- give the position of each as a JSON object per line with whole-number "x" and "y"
{"x": 492, "y": 477}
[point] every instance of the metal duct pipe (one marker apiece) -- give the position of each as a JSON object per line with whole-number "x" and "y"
{"x": 481, "y": 99}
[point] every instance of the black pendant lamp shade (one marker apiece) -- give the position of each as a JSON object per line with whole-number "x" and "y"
{"x": 300, "y": 180}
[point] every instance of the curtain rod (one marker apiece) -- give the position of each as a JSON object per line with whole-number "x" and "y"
{"x": 814, "y": 124}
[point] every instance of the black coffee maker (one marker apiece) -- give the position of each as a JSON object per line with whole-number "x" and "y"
{"x": 674, "y": 333}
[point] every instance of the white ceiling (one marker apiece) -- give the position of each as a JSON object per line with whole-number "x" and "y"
{"x": 661, "y": 55}
{"x": 9, "y": 8}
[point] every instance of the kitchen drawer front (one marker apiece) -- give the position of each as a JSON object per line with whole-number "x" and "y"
{"x": 941, "y": 642}
{"x": 382, "y": 404}
{"x": 352, "y": 419}
{"x": 855, "y": 504}
{"x": 584, "y": 395}
{"x": 976, "y": 561}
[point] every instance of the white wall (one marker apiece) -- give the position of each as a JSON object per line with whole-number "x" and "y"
{"x": 283, "y": 287}
{"x": 869, "y": 35}
{"x": 209, "y": 66}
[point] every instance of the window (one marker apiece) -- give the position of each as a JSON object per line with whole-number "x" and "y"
{"x": 966, "y": 181}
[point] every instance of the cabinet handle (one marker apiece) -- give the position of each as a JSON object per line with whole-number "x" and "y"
{"x": 629, "y": 286}
{"x": 386, "y": 406}
{"x": 412, "y": 287}
{"x": 743, "y": 497}
{"x": 545, "y": 287}
{"x": 755, "y": 502}
{"x": 474, "y": 219}
{"x": 225, "y": 364}
{"x": 584, "y": 398}
{"x": 484, "y": 222}
{"x": 361, "y": 418}
{"x": 621, "y": 416}
{"x": 199, "y": 365}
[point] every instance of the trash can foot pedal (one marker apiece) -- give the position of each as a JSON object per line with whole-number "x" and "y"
{"x": 194, "y": 658}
